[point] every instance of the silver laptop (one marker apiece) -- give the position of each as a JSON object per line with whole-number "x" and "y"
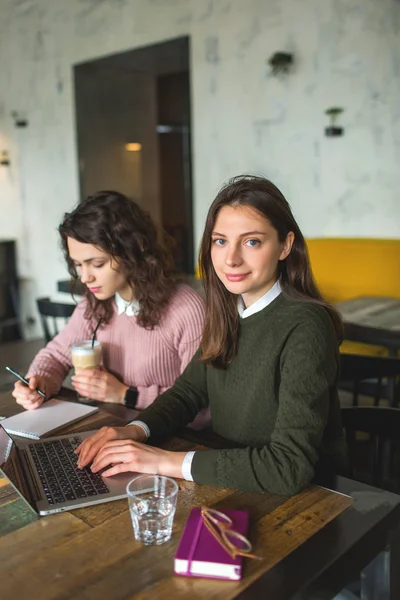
{"x": 45, "y": 475}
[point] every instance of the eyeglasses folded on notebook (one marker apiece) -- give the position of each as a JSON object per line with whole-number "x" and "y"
{"x": 213, "y": 544}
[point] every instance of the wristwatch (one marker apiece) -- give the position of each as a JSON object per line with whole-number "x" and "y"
{"x": 131, "y": 397}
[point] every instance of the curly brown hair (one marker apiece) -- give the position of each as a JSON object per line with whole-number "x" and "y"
{"x": 118, "y": 226}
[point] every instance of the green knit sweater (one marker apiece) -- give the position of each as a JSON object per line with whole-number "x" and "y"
{"x": 277, "y": 400}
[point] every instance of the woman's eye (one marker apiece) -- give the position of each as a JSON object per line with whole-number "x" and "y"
{"x": 99, "y": 266}
{"x": 219, "y": 242}
{"x": 252, "y": 243}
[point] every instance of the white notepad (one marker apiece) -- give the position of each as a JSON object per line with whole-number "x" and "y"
{"x": 49, "y": 417}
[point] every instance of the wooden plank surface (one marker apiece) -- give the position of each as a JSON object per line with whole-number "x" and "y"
{"x": 40, "y": 537}
{"x": 91, "y": 552}
{"x": 76, "y": 555}
{"x": 14, "y": 513}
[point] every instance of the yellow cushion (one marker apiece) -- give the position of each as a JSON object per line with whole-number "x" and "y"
{"x": 345, "y": 268}
{"x": 348, "y": 347}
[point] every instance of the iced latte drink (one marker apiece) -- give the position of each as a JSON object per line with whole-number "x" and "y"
{"x": 86, "y": 356}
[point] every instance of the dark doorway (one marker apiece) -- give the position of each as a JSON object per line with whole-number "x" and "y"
{"x": 10, "y": 318}
{"x": 133, "y": 134}
{"x": 175, "y": 166}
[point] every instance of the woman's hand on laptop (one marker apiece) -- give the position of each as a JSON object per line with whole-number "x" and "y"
{"x": 129, "y": 456}
{"x": 28, "y": 396}
{"x": 92, "y": 445}
{"x": 99, "y": 384}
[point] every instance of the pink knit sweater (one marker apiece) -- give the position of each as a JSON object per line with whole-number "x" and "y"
{"x": 147, "y": 360}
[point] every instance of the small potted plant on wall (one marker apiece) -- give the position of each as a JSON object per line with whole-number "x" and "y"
{"x": 280, "y": 62}
{"x": 333, "y": 130}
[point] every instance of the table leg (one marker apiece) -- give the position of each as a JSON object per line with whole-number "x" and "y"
{"x": 394, "y": 563}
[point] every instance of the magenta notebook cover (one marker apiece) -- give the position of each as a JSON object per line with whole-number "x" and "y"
{"x": 200, "y": 555}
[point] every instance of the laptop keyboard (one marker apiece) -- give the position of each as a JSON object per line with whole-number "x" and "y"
{"x": 56, "y": 464}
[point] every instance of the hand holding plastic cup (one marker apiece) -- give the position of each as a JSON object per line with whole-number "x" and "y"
{"x": 86, "y": 355}
{"x": 152, "y": 503}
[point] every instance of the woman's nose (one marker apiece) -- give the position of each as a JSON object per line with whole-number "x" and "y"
{"x": 232, "y": 257}
{"x": 86, "y": 276}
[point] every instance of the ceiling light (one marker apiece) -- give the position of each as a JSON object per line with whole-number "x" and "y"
{"x": 133, "y": 147}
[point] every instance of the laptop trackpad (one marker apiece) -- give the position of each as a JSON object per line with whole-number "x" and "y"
{"x": 121, "y": 480}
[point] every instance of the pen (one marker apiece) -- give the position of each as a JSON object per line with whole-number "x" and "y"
{"x": 19, "y": 376}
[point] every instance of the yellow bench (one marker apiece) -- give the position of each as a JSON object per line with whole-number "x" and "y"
{"x": 345, "y": 268}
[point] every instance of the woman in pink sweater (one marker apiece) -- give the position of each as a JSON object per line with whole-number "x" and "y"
{"x": 149, "y": 326}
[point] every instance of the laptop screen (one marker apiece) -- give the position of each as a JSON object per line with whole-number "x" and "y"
{"x": 10, "y": 466}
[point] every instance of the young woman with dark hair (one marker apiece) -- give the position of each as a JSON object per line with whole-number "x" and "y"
{"x": 267, "y": 366}
{"x": 149, "y": 325}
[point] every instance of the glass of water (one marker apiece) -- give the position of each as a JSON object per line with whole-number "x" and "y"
{"x": 152, "y": 503}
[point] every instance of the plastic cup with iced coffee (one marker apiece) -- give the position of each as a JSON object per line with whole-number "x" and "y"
{"x": 86, "y": 355}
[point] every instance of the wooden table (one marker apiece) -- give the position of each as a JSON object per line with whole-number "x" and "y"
{"x": 372, "y": 320}
{"x": 372, "y": 311}
{"x": 91, "y": 552}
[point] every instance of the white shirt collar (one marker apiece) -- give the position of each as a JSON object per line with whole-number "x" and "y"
{"x": 131, "y": 309}
{"x": 261, "y": 302}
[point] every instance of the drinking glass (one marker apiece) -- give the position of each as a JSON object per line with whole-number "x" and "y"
{"x": 152, "y": 503}
{"x": 86, "y": 355}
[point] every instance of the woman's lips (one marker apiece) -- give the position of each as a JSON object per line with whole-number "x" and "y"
{"x": 94, "y": 290}
{"x": 235, "y": 277}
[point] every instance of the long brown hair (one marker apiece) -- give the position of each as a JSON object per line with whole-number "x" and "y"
{"x": 219, "y": 343}
{"x": 118, "y": 226}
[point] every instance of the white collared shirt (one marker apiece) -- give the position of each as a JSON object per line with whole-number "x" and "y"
{"x": 243, "y": 312}
{"x": 130, "y": 309}
{"x": 260, "y": 303}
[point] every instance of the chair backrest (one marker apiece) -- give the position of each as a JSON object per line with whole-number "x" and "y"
{"x": 51, "y": 311}
{"x": 372, "y": 370}
{"x": 382, "y": 425}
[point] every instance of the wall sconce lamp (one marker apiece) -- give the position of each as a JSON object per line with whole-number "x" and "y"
{"x": 20, "y": 119}
{"x": 133, "y": 147}
{"x": 333, "y": 130}
{"x": 4, "y": 160}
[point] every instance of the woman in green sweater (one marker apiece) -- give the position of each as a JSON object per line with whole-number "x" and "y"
{"x": 267, "y": 365}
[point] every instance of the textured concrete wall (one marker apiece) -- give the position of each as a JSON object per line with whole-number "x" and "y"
{"x": 347, "y": 53}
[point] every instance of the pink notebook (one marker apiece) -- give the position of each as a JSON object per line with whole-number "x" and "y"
{"x": 200, "y": 555}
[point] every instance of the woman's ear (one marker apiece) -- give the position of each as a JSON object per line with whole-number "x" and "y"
{"x": 287, "y": 246}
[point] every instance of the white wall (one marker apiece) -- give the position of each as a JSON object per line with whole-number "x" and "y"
{"x": 347, "y": 53}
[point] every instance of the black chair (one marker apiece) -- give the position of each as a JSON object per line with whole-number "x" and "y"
{"x": 51, "y": 311}
{"x": 374, "y": 376}
{"x": 374, "y": 459}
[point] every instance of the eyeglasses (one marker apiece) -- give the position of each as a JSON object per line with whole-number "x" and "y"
{"x": 220, "y": 526}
